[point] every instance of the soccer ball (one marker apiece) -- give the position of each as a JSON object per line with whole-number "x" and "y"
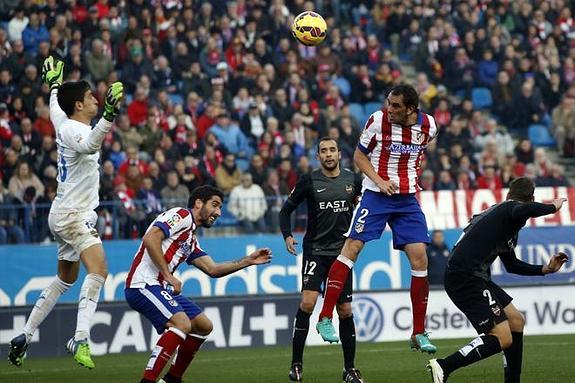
{"x": 309, "y": 28}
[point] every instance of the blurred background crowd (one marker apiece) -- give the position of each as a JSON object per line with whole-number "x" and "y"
{"x": 220, "y": 93}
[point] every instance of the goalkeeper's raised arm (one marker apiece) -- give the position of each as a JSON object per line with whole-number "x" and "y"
{"x": 75, "y": 101}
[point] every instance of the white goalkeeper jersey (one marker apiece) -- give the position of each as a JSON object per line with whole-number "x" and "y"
{"x": 78, "y": 154}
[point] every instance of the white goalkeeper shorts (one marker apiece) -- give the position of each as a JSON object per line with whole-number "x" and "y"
{"x": 74, "y": 233}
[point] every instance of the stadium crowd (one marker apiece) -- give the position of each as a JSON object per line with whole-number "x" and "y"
{"x": 220, "y": 93}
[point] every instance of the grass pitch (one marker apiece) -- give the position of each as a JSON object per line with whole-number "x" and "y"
{"x": 547, "y": 359}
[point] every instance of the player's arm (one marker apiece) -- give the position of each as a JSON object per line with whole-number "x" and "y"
{"x": 53, "y": 75}
{"x": 297, "y": 196}
{"x": 364, "y": 164}
{"x": 152, "y": 241}
{"x": 526, "y": 210}
{"x": 517, "y": 266}
{"x": 57, "y": 115}
{"x": 90, "y": 143}
{"x": 367, "y": 142}
{"x": 93, "y": 141}
{"x": 218, "y": 270}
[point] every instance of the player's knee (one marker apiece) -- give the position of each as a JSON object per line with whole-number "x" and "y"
{"x": 103, "y": 271}
{"x": 307, "y": 304}
{"x": 517, "y": 322}
{"x": 203, "y": 327}
{"x": 418, "y": 261}
{"x": 344, "y": 310}
{"x": 181, "y": 322}
{"x": 505, "y": 340}
{"x": 351, "y": 248}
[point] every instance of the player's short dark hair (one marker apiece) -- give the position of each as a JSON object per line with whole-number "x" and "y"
{"x": 204, "y": 193}
{"x": 71, "y": 92}
{"x": 323, "y": 139}
{"x": 521, "y": 189}
{"x": 409, "y": 94}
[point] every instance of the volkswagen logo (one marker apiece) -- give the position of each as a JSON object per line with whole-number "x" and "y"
{"x": 368, "y": 319}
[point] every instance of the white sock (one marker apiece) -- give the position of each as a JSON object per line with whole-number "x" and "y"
{"x": 346, "y": 261}
{"x": 89, "y": 295}
{"x": 44, "y": 306}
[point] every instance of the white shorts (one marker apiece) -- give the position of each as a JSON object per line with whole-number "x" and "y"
{"x": 74, "y": 233}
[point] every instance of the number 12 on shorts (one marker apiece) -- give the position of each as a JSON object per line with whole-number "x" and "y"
{"x": 309, "y": 267}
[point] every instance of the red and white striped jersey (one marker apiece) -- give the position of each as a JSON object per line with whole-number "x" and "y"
{"x": 180, "y": 244}
{"x": 396, "y": 151}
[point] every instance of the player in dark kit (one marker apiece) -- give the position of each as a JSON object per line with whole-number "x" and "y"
{"x": 489, "y": 235}
{"x": 330, "y": 194}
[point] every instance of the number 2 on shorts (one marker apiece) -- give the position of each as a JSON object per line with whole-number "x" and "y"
{"x": 487, "y": 294}
{"x": 362, "y": 214}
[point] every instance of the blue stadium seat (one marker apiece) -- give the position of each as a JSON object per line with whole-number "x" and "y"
{"x": 357, "y": 111}
{"x": 343, "y": 86}
{"x": 176, "y": 98}
{"x": 540, "y": 135}
{"x": 372, "y": 107}
{"x": 481, "y": 98}
{"x": 227, "y": 218}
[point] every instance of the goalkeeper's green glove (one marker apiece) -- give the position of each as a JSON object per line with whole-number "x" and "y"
{"x": 114, "y": 97}
{"x": 53, "y": 72}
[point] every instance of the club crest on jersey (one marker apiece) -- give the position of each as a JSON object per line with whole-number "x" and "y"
{"x": 419, "y": 138}
{"x": 349, "y": 189}
{"x": 185, "y": 248}
{"x": 496, "y": 310}
{"x": 305, "y": 280}
{"x": 173, "y": 220}
{"x": 359, "y": 227}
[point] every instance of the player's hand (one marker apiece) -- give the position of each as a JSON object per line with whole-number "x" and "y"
{"x": 558, "y": 203}
{"x": 53, "y": 72}
{"x": 114, "y": 97}
{"x": 555, "y": 263}
{"x": 291, "y": 242}
{"x": 387, "y": 187}
{"x": 175, "y": 283}
{"x": 260, "y": 256}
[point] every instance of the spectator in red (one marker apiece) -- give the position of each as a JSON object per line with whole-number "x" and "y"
{"x": 212, "y": 159}
{"x": 5, "y": 129}
{"x": 138, "y": 108}
{"x": 489, "y": 179}
{"x": 133, "y": 179}
{"x": 288, "y": 177}
{"x": 132, "y": 160}
{"x": 442, "y": 113}
{"x": 207, "y": 119}
{"x": 235, "y": 53}
{"x": 43, "y": 125}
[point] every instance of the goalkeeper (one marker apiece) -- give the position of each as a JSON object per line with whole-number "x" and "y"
{"x": 72, "y": 218}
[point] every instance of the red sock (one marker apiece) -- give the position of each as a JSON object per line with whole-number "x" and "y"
{"x": 165, "y": 347}
{"x": 186, "y": 354}
{"x": 335, "y": 282}
{"x": 419, "y": 292}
